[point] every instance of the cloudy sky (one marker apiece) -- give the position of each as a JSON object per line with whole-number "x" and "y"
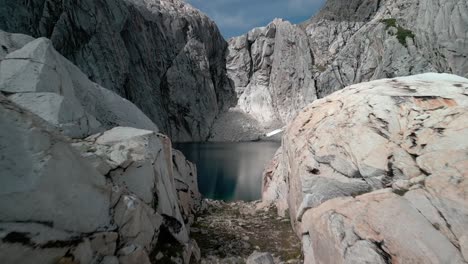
{"x": 235, "y": 17}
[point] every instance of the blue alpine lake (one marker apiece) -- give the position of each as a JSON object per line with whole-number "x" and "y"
{"x": 230, "y": 171}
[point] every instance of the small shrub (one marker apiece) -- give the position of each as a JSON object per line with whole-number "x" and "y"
{"x": 321, "y": 68}
{"x": 389, "y": 22}
{"x": 404, "y": 33}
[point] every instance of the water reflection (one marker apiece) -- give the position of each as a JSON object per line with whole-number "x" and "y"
{"x": 230, "y": 171}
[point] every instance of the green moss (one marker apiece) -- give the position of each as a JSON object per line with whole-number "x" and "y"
{"x": 321, "y": 68}
{"x": 402, "y": 33}
{"x": 389, "y": 22}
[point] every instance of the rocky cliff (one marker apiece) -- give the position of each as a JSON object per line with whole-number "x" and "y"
{"x": 163, "y": 55}
{"x": 85, "y": 176}
{"x": 280, "y": 68}
{"x": 378, "y": 173}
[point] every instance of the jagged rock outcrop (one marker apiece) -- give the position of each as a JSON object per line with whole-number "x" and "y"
{"x": 141, "y": 162}
{"x": 186, "y": 185}
{"x": 271, "y": 71}
{"x": 113, "y": 197}
{"x": 274, "y": 187}
{"x": 39, "y": 79}
{"x": 270, "y": 67}
{"x": 163, "y": 55}
{"x": 377, "y": 172}
{"x": 279, "y": 69}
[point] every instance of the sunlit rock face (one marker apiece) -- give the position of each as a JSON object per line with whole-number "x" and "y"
{"x": 163, "y": 55}
{"x": 270, "y": 68}
{"x": 280, "y": 68}
{"x": 111, "y": 197}
{"x": 377, "y": 172}
{"x": 271, "y": 71}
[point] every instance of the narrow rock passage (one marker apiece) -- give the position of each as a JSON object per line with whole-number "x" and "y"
{"x": 230, "y": 232}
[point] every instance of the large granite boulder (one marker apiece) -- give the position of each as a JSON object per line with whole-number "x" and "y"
{"x": 154, "y": 189}
{"x": 141, "y": 162}
{"x": 113, "y": 197}
{"x": 53, "y": 203}
{"x": 377, "y": 172}
{"x": 34, "y": 162}
{"x": 163, "y": 55}
{"x": 107, "y": 196}
{"x": 41, "y": 80}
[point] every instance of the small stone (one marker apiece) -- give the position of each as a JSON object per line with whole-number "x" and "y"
{"x": 260, "y": 258}
{"x": 415, "y": 187}
{"x": 401, "y": 186}
{"x": 418, "y": 180}
{"x": 245, "y": 238}
{"x": 159, "y": 256}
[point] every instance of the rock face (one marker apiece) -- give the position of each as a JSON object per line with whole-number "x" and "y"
{"x": 163, "y": 55}
{"x": 140, "y": 162}
{"x": 186, "y": 185}
{"x": 270, "y": 68}
{"x": 280, "y": 68}
{"x": 274, "y": 187}
{"x": 36, "y": 190}
{"x": 271, "y": 71}
{"x": 113, "y": 197}
{"x": 366, "y": 40}
{"x": 39, "y": 79}
{"x": 377, "y": 172}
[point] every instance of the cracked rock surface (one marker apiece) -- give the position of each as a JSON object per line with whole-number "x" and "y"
{"x": 377, "y": 172}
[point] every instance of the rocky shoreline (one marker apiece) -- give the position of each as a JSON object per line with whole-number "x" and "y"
{"x": 232, "y": 232}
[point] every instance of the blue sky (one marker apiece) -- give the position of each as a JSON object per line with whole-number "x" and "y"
{"x": 236, "y": 17}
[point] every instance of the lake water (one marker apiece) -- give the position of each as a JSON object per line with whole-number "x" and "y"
{"x": 230, "y": 171}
